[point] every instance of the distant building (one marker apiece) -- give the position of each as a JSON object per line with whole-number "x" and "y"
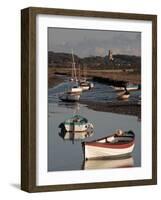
{"x": 110, "y": 56}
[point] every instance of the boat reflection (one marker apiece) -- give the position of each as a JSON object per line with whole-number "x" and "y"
{"x": 75, "y": 135}
{"x": 108, "y": 163}
{"x": 71, "y": 105}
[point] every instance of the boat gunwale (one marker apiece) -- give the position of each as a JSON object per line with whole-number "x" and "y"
{"x": 75, "y": 123}
{"x": 86, "y": 142}
{"x": 83, "y": 120}
{"x": 111, "y": 145}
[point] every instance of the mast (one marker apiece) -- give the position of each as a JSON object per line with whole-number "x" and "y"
{"x": 85, "y": 71}
{"x": 79, "y": 75}
{"x": 74, "y": 68}
{"x": 72, "y": 75}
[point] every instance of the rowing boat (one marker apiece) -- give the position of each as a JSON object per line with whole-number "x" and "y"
{"x": 117, "y": 145}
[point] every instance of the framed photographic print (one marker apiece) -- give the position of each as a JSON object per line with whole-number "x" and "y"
{"x": 89, "y": 99}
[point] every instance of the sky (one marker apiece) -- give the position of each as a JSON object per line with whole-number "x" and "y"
{"x": 93, "y": 42}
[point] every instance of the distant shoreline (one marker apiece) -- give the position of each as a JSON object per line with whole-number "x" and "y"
{"x": 115, "y": 75}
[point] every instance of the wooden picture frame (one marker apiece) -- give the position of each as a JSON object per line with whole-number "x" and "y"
{"x": 28, "y": 98}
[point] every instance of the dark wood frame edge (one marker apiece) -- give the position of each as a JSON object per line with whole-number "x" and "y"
{"x": 28, "y": 99}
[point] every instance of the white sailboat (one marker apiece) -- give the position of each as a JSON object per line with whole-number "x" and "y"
{"x": 74, "y": 90}
{"x": 75, "y": 87}
{"x": 83, "y": 83}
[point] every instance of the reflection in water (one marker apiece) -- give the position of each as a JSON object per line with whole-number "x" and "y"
{"x": 75, "y": 106}
{"x": 75, "y": 135}
{"x": 105, "y": 164}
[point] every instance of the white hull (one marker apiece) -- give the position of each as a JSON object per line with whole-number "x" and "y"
{"x": 106, "y": 164}
{"x": 118, "y": 88}
{"x": 84, "y": 88}
{"x": 69, "y": 97}
{"x": 86, "y": 85}
{"x": 92, "y": 152}
{"x": 123, "y": 89}
{"x": 91, "y": 85}
{"x": 77, "y": 127}
{"x": 124, "y": 96}
{"x": 76, "y": 90}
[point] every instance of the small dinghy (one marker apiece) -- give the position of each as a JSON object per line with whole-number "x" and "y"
{"x": 76, "y": 124}
{"x": 117, "y": 145}
{"x": 85, "y": 85}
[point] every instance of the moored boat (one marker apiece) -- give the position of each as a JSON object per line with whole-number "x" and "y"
{"x": 69, "y": 97}
{"x": 75, "y": 89}
{"x": 76, "y": 124}
{"x": 85, "y": 85}
{"x": 72, "y": 94}
{"x": 82, "y": 80}
{"x": 91, "y": 85}
{"x": 74, "y": 79}
{"x": 124, "y": 96}
{"x": 117, "y": 145}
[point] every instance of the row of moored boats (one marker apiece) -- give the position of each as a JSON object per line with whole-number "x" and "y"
{"x": 76, "y": 86}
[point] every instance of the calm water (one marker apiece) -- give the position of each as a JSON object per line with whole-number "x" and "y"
{"x": 66, "y": 155}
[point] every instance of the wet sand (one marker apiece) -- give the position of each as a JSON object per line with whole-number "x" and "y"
{"x": 134, "y": 78}
{"x": 125, "y": 108}
{"x": 54, "y": 80}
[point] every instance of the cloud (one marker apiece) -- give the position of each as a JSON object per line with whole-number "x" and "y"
{"x": 94, "y": 42}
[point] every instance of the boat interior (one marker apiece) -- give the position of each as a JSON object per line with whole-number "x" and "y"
{"x": 126, "y": 137}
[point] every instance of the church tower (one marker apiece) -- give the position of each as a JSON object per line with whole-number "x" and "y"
{"x": 110, "y": 56}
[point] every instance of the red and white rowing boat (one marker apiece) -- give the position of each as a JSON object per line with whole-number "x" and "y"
{"x": 117, "y": 145}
